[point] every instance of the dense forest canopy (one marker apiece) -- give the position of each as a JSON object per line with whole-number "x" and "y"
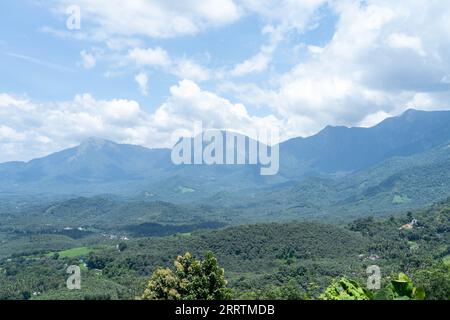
{"x": 297, "y": 260}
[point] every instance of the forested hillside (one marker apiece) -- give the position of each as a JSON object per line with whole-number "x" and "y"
{"x": 293, "y": 260}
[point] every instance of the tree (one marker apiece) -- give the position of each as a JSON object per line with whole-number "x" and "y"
{"x": 435, "y": 281}
{"x": 163, "y": 285}
{"x": 409, "y": 215}
{"x": 190, "y": 280}
{"x": 122, "y": 246}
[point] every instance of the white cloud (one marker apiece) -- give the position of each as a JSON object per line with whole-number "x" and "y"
{"x": 188, "y": 69}
{"x": 315, "y": 49}
{"x": 8, "y": 134}
{"x": 373, "y": 119}
{"x": 152, "y": 18}
{"x": 188, "y": 103}
{"x": 166, "y": 18}
{"x": 256, "y": 64}
{"x": 118, "y": 25}
{"x": 88, "y": 60}
{"x": 150, "y": 57}
{"x": 250, "y": 94}
{"x": 403, "y": 41}
{"x": 287, "y": 14}
{"x": 260, "y": 62}
{"x": 35, "y": 129}
{"x": 157, "y": 57}
{"x": 383, "y": 58}
{"x": 142, "y": 81}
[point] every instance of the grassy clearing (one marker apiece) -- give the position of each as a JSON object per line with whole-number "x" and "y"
{"x": 185, "y": 234}
{"x": 72, "y": 253}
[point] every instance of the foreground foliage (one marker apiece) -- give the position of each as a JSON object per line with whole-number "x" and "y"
{"x": 401, "y": 287}
{"x": 345, "y": 289}
{"x": 191, "y": 280}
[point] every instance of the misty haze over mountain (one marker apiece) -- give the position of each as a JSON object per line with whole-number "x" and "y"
{"x": 102, "y": 166}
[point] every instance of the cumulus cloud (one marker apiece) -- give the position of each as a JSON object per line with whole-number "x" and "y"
{"x": 35, "y": 129}
{"x": 383, "y": 58}
{"x": 188, "y": 103}
{"x": 142, "y": 81}
{"x": 188, "y": 69}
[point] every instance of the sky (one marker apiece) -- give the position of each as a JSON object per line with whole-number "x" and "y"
{"x": 135, "y": 73}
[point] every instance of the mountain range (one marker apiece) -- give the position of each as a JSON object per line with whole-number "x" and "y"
{"x": 379, "y": 168}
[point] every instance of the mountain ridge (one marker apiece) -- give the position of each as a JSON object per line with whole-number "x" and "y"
{"x": 97, "y": 141}
{"x": 99, "y": 165}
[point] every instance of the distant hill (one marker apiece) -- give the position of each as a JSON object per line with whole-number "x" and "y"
{"x": 99, "y": 166}
{"x": 88, "y": 167}
{"x": 394, "y": 185}
{"x": 342, "y": 149}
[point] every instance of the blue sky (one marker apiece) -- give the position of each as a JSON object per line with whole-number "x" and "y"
{"x": 136, "y": 73}
{"x": 35, "y": 61}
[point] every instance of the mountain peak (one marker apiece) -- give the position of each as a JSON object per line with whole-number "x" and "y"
{"x": 96, "y": 143}
{"x": 416, "y": 115}
{"x": 332, "y": 129}
{"x": 92, "y": 144}
{"x": 411, "y": 112}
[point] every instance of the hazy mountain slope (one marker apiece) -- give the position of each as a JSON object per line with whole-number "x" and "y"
{"x": 397, "y": 184}
{"x": 393, "y": 185}
{"x": 341, "y": 149}
{"x": 95, "y": 165}
{"x": 98, "y": 166}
